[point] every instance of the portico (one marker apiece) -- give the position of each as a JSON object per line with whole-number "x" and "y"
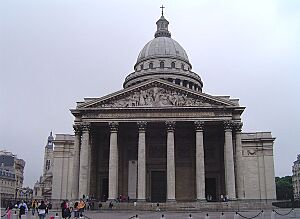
{"x": 170, "y": 149}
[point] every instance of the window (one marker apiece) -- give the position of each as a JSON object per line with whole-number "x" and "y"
{"x": 151, "y": 65}
{"x": 142, "y": 66}
{"x": 162, "y": 64}
{"x": 47, "y": 164}
{"x": 172, "y": 64}
{"x": 182, "y": 66}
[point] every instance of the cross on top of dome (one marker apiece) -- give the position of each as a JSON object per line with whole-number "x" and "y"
{"x": 162, "y": 10}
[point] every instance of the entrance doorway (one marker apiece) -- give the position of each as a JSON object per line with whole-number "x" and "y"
{"x": 211, "y": 189}
{"x": 158, "y": 186}
{"x": 104, "y": 189}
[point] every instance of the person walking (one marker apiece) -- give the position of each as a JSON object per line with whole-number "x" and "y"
{"x": 42, "y": 210}
{"x": 9, "y": 210}
{"x": 76, "y": 210}
{"x": 34, "y": 206}
{"x": 23, "y": 209}
{"x": 81, "y": 207}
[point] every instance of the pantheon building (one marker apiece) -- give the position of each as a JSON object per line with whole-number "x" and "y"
{"x": 162, "y": 139}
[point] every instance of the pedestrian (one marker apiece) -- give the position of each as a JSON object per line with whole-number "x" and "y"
{"x": 9, "y": 210}
{"x": 110, "y": 206}
{"x": 100, "y": 205}
{"x": 70, "y": 210}
{"x": 81, "y": 207}
{"x": 76, "y": 210}
{"x": 64, "y": 209}
{"x": 23, "y": 209}
{"x": 42, "y": 210}
{"x": 34, "y": 206}
{"x": 157, "y": 207}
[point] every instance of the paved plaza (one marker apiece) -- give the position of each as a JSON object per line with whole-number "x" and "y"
{"x": 113, "y": 214}
{"x": 185, "y": 215}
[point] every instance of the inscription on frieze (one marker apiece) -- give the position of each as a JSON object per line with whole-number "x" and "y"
{"x": 156, "y": 97}
{"x": 160, "y": 114}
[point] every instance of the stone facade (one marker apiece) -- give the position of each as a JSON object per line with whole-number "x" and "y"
{"x": 62, "y": 166}
{"x": 11, "y": 175}
{"x": 296, "y": 178}
{"x": 43, "y": 187}
{"x": 161, "y": 139}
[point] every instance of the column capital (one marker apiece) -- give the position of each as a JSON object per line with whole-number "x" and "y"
{"x": 114, "y": 126}
{"x": 77, "y": 129}
{"x": 228, "y": 125}
{"x": 199, "y": 125}
{"x": 85, "y": 127}
{"x": 142, "y": 125}
{"x": 170, "y": 125}
{"x": 237, "y": 126}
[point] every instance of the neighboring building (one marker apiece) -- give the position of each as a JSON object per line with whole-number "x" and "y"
{"x": 43, "y": 187}
{"x": 11, "y": 175}
{"x": 296, "y": 178}
{"x": 162, "y": 139}
{"x": 62, "y": 166}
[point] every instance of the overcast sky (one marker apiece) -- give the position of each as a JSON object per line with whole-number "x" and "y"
{"x": 56, "y": 52}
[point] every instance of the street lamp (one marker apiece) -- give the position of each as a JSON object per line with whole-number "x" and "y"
{"x": 16, "y": 194}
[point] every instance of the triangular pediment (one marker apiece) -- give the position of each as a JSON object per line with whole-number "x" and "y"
{"x": 155, "y": 93}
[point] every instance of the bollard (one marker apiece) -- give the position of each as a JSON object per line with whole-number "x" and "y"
{"x": 15, "y": 215}
{"x": 222, "y": 216}
{"x": 162, "y": 216}
{"x": 56, "y": 216}
{"x": 136, "y": 217}
{"x": 262, "y": 214}
{"x": 23, "y": 216}
{"x": 190, "y": 216}
{"x": 273, "y": 216}
{"x": 236, "y": 216}
{"x": 293, "y": 213}
{"x": 206, "y": 216}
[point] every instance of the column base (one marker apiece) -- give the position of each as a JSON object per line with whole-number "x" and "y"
{"x": 110, "y": 200}
{"x": 171, "y": 200}
{"x": 201, "y": 200}
{"x": 141, "y": 200}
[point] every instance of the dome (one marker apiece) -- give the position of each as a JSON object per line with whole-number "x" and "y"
{"x": 162, "y": 47}
{"x": 165, "y": 59}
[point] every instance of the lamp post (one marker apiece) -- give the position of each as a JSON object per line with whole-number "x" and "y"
{"x": 16, "y": 194}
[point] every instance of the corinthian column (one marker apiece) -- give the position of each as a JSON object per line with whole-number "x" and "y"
{"x": 200, "y": 168}
{"x": 170, "y": 161}
{"x": 229, "y": 162}
{"x": 76, "y": 162}
{"x": 142, "y": 161}
{"x": 113, "y": 162}
{"x": 239, "y": 160}
{"x": 84, "y": 160}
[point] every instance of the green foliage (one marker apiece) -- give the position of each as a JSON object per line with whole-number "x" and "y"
{"x": 284, "y": 188}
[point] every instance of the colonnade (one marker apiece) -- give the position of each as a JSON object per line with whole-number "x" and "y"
{"x": 233, "y": 164}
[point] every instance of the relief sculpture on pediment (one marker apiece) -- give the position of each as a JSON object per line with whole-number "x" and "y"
{"x": 155, "y": 97}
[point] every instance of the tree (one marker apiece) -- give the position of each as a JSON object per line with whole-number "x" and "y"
{"x": 284, "y": 188}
